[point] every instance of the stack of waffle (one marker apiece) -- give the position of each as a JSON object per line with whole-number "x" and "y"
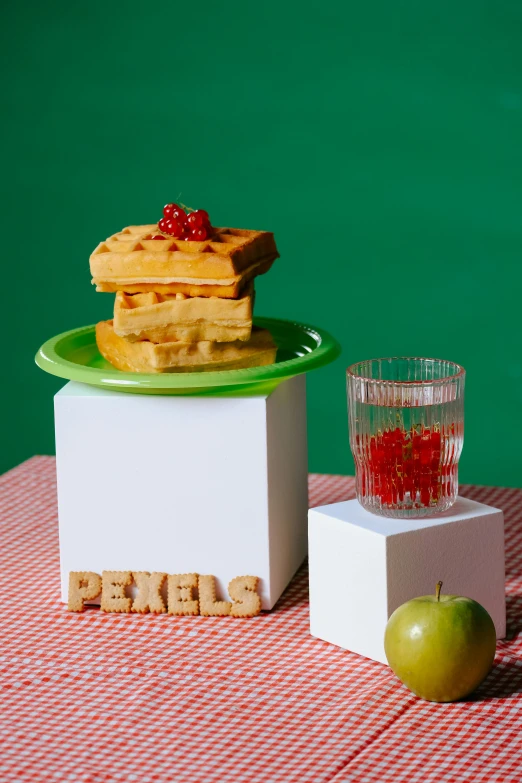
{"x": 183, "y": 306}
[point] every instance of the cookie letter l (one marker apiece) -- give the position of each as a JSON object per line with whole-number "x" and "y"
{"x": 207, "y": 599}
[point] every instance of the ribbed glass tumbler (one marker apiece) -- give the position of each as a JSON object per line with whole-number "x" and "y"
{"x": 406, "y": 434}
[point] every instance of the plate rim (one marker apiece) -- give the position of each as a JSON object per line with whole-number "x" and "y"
{"x": 326, "y": 351}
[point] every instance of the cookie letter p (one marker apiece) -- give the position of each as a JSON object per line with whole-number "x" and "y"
{"x": 83, "y": 586}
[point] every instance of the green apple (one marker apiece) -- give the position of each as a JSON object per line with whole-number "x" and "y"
{"x": 440, "y": 646}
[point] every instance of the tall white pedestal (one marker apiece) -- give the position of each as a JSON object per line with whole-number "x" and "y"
{"x": 362, "y": 567}
{"x": 183, "y": 484}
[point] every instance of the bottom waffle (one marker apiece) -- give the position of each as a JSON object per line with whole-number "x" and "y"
{"x": 202, "y": 356}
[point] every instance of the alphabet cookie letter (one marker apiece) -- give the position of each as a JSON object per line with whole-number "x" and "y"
{"x": 208, "y": 605}
{"x": 149, "y": 597}
{"x": 83, "y": 586}
{"x": 243, "y": 592}
{"x": 113, "y": 591}
{"x": 180, "y": 600}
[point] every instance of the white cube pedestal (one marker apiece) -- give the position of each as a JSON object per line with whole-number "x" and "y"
{"x": 363, "y": 566}
{"x": 182, "y": 484}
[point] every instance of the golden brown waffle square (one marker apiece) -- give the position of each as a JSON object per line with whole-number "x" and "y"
{"x": 147, "y": 357}
{"x": 134, "y": 262}
{"x": 163, "y": 318}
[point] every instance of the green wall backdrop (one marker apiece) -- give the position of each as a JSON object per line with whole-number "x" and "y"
{"x": 381, "y": 142}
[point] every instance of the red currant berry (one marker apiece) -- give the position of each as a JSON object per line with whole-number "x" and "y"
{"x": 425, "y": 441}
{"x": 175, "y": 229}
{"x": 400, "y": 489}
{"x": 194, "y": 220}
{"x": 199, "y": 234}
{"x": 425, "y": 496}
{"x": 169, "y": 209}
{"x": 158, "y": 237}
{"x": 162, "y": 225}
{"x": 425, "y": 457}
{"x": 435, "y": 440}
{"x": 387, "y": 439}
{"x": 179, "y": 215}
{"x": 198, "y": 219}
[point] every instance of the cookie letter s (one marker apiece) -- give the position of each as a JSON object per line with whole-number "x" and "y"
{"x": 243, "y": 592}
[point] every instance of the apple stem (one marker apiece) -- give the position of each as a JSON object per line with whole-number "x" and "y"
{"x": 437, "y": 590}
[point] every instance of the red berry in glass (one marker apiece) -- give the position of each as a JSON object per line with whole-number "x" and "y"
{"x": 405, "y": 465}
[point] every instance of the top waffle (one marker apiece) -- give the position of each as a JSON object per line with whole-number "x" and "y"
{"x": 132, "y": 261}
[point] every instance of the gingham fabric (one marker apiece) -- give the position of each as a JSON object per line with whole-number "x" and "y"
{"x": 99, "y": 698}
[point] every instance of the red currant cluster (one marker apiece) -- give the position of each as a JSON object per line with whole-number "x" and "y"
{"x": 401, "y": 461}
{"x": 176, "y": 223}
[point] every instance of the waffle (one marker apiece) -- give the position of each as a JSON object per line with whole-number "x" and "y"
{"x": 203, "y": 356}
{"x": 166, "y": 318}
{"x": 133, "y": 262}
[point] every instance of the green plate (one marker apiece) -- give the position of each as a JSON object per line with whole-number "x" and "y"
{"x": 301, "y": 348}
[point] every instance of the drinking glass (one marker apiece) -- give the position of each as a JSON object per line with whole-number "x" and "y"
{"x": 406, "y": 433}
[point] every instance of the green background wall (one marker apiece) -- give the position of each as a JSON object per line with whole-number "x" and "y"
{"x": 381, "y": 142}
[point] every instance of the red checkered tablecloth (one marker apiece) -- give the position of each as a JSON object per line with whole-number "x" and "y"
{"x": 98, "y": 698}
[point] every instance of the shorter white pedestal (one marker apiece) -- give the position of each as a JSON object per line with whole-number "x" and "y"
{"x": 362, "y": 567}
{"x": 183, "y": 484}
